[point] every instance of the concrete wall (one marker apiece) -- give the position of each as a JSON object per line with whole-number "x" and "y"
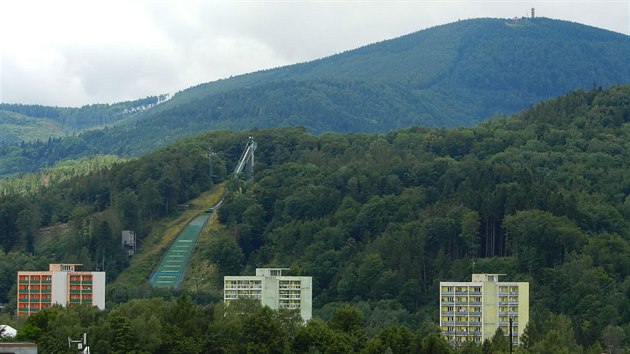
{"x": 59, "y": 293}
{"x": 490, "y": 309}
{"x": 306, "y": 304}
{"x": 98, "y": 289}
{"x": 18, "y": 348}
{"x": 523, "y": 307}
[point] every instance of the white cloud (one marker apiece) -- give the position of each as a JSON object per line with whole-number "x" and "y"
{"x": 79, "y": 52}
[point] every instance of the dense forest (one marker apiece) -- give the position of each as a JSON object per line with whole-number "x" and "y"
{"x": 378, "y": 220}
{"x": 447, "y": 76}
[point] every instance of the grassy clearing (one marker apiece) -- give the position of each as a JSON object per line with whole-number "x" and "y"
{"x": 202, "y": 274}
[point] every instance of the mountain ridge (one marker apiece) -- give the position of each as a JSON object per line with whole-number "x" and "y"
{"x": 456, "y": 74}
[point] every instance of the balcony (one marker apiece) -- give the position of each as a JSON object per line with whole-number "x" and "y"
{"x": 23, "y": 291}
{"x": 75, "y": 291}
{"x": 45, "y": 291}
{"x": 46, "y": 281}
{"x": 447, "y": 303}
{"x": 75, "y": 301}
{"x": 46, "y": 300}
{"x": 75, "y": 282}
{"x": 461, "y": 293}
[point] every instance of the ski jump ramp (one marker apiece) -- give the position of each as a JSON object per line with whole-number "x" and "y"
{"x": 170, "y": 272}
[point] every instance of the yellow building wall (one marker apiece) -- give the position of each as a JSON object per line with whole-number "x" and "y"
{"x": 489, "y": 309}
{"x": 523, "y": 307}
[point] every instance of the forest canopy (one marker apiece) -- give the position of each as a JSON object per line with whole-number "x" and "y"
{"x": 379, "y": 219}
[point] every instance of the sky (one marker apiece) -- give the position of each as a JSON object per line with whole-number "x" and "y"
{"x": 72, "y": 53}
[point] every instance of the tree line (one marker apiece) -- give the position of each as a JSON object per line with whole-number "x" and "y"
{"x": 179, "y": 325}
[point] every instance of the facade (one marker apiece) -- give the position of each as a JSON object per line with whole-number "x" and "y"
{"x": 272, "y": 289}
{"x": 18, "y": 348}
{"x": 473, "y": 311}
{"x": 61, "y": 284}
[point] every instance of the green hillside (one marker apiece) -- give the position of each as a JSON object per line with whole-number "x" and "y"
{"x": 16, "y": 127}
{"x": 451, "y": 75}
{"x": 379, "y": 219}
{"x": 19, "y": 122}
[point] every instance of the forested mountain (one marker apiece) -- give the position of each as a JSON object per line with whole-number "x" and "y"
{"x": 379, "y": 219}
{"x": 452, "y": 75}
{"x": 19, "y": 122}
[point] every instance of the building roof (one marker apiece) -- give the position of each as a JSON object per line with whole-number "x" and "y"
{"x": 7, "y": 331}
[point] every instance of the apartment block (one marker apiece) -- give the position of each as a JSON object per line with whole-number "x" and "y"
{"x": 272, "y": 289}
{"x": 473, "y": 311}
{"x": 62, "y": 285}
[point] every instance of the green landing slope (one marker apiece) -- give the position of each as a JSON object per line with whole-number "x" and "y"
{"x": 171, "y": 269}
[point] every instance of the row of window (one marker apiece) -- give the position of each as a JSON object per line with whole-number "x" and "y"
{"x": 35, "y": 305}
{"x": 289, "y": 284}
{"x": 505, "y": 309}
{"x": 458, "y": 340}
{"x": 35, "y": 287}
{"x": 243, "y": 284}
{"x": 80, "y": 287}
{"x": 461, "y": 299}
{"x": 461, "y": 330}
{"x": 34, "y": 278}
{"x": 242, "y": 296}
{"x": 508, "y": 289}
{"x": 461, "y": 289}
{"x": 33, "y": 296}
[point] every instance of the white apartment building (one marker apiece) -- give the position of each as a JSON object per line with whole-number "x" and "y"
{"x": 272, "y": 289}
{"x": 473, "y": 311}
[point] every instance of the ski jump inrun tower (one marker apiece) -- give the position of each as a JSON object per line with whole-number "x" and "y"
{"x": 247, "y": 160}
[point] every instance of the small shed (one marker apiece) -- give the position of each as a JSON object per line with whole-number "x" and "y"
{"x": 18, "y": 348}
{"x": 7, "y": 331}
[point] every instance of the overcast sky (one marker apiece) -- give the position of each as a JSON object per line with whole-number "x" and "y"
{"x": 71, "y": 53}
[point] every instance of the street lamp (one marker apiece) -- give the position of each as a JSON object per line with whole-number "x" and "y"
{"x": 511, "y": 321}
